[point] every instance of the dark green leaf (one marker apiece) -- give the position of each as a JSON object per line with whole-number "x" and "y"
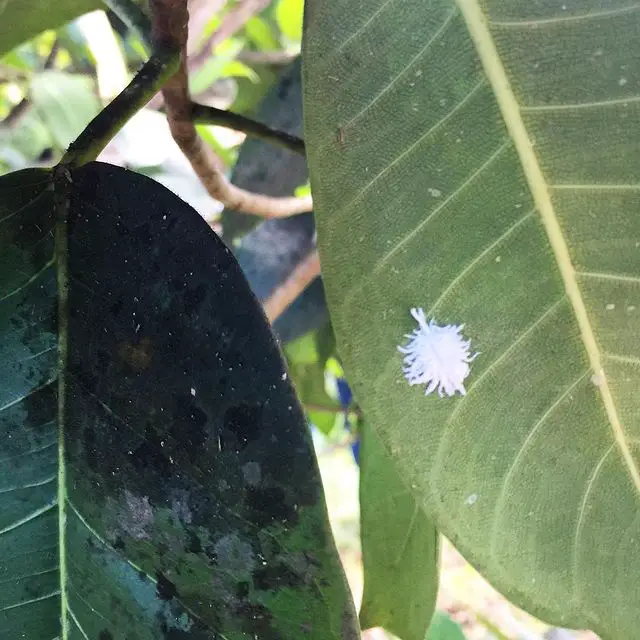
{"x": 21, "y": 20}
{"x": 479, "y": 159}
{"x": 188, "y": 502}
{"x": 400, "y": 548}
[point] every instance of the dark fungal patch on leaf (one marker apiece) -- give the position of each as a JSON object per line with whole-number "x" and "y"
{"x": 196, "y": 457}
{"x": 105, "y": 635}
{"x": 277, "y": 575}
{"x": 165, "y": 589}
{"x": 241, "y": 425}
{"x": 268, "y": 505}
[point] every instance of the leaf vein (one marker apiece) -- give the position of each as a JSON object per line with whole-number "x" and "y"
{"x": 418, "y": 228}
{"x": 583, "y": 509}
{"x": 38, "y": 483}
{"x": 25, "y": 284}
{"x": 594, "y": 15}
{"x": 36, "y": 513}
{"x": 413, "y": 60}
{"x": 72, "y": 615}
{"x": 502, "y": 498}
{"x": 46, "y": 596}
{"x": 496, "y": 363}
{"x": 579, "y": 105}
{"x": 413, "y": 146}
{"x": 510, "y": 109}
{"x": 476, "y": 260}
{"x": 618, "y": 358}
{"x": 608, "y": 276}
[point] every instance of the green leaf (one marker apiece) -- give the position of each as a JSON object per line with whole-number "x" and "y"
{"x": 215, "y": 66}
{"x": 307, "y": 371}
{"x": 29, "y": 135}
{"x": 237, "y": 69}
{"x": 260, "y": 33}
{"x": 289, "y": 17}
{"x": 444, "y": 628}
{"x": 66, "y": 103}
{"x": 400, "y": 548}
{"x": 23, "y": 19}
{"x": 157, "y": 478}
{"x": 479, "y": 160}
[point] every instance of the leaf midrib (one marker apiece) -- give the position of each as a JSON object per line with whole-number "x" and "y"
{"x": 510, "y": 109}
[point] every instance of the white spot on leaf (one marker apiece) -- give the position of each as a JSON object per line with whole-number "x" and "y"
{"x": 436, "y": 356}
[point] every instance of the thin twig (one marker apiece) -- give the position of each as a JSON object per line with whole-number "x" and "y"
{"x": 203, "y": 114}
{"x": 169, "y": 29}
{"x": 53, "y": 54}
{"x": 132, "y": 14}
{"x": 305, "y": 272}
{"x": 273, "y": 58}
{"x": 97, "y": 134}
{"x": 14, "y": 117}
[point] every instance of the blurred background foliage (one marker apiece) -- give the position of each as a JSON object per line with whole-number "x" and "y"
{"x": 244, "y": 56}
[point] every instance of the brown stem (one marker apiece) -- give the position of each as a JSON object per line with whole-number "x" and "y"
{"x": 170, "y": 26}
{"x": 301, "y": 277}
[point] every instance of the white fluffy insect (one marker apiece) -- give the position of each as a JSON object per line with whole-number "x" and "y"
{"x": 436, "y": 356}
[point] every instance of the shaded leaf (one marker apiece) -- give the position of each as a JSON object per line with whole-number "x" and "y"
{"x": 268, "y": 255}
{"x": 23, "y": 19}
{"x": 66, "y": 103}
{"x": 400, "y": 548}
{"x": 188, "y": 498}
{"x": 479, "y": 160}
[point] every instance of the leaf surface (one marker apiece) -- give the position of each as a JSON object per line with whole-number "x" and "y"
{"x": 400, "y": 548}
{"x": 479, "y": 159}
{"x": 164, "y": 483}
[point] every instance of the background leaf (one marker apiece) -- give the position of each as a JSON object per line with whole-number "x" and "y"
{"x": 190, "y": 495}
{"x": 21, "y": 20}
{"x": 479, "y": 160}
{"x": 400, "y": 549}
{"x": 444, "y": 628}
{"x": 289, "y": 16}
{"x": 263, "y": 167}
{"x": 66, "y": 104}
{"x": 270, "y": 252}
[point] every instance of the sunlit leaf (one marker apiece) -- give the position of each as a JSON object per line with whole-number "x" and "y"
{"x": 479, "y": 159}
{"x": 400, "y": 549}
{"x": 289, "y": 17}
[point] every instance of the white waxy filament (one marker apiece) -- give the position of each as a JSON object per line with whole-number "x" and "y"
{"x": 436, "y": 356}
